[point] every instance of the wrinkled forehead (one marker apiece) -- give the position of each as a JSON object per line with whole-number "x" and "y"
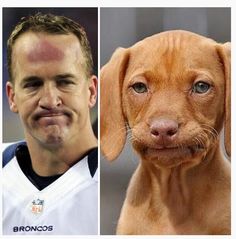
{"x": 174, "y": 53}
{"x": 41, "y": 47}
{"x": 45, "y": 51}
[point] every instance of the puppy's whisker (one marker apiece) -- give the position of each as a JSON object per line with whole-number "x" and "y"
{"x": 195, "y": 141}
{"x": 212, "y": 133}
{"x": 203, "y": 138}
{"x": 134, "y": 139}
{"x": 129, "y": 130}
{"x": 210, "y": 127}
{"x": 200, "y": 141}
{"x": 130, "y": 137}
{"x": 211, "y": 130}
{"x": 207, "y": 127}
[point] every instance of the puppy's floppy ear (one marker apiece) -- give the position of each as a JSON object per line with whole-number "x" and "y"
{"x": 224, "y": 52}
{"x": 112, "y": 122}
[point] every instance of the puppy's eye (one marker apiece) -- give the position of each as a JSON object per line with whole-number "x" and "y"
{"x": 200, "y": 87}
{"x": 140, "y": 87}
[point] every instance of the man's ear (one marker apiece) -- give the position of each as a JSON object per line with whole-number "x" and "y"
{"x": 11, "y": 97}
{"x": 92, "y": 86}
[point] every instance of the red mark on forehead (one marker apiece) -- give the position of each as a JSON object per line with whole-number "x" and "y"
{"x": 45, "y": 51}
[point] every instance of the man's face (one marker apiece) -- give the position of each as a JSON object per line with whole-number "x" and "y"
{"x": 50, "y": 91}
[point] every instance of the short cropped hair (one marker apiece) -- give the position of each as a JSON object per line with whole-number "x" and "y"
{"x": 51, "y": 24}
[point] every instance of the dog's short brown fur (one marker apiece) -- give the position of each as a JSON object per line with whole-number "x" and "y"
{"x": 171, "y": 93}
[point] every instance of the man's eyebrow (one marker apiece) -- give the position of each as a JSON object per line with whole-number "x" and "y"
{"x": 64, "y": 76}
{"x": 29, "y": 79}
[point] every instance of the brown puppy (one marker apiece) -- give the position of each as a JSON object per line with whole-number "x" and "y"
{"x": 171, "y": 92}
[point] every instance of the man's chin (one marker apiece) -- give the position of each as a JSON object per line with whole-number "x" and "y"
{"x": 54, "y": 140}
{"x": 50, "y": 140}
{"x": 54, "y": 134}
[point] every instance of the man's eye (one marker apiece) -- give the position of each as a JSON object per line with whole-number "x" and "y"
{"x": 65, "y": 82}
{"x": 201, "y": 87}
{"x": 33, "y": 84}
{"x": 139, "y": 87}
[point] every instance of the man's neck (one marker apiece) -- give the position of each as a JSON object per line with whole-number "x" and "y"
{"x": 57, "y": 159}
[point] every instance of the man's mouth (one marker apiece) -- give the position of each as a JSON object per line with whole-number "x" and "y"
{"x": 50, "y": 114}
{"x": 48, "y": 118}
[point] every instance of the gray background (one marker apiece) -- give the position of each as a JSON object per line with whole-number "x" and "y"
{"x": 122, "y": 27}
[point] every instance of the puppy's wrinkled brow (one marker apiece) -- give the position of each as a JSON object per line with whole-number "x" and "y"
{"x": 45, "y": 51}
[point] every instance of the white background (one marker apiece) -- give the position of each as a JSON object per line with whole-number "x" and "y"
{"x": 135, "y": 3}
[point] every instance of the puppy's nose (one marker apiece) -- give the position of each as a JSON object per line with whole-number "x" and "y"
{"x": 164, "y": 129}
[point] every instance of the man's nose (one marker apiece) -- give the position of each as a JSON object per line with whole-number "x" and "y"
{"x": 49, "y": 97}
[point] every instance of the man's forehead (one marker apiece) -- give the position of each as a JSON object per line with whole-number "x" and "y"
{"x": 44, "y": 51}
{"x": 41, "y": 47}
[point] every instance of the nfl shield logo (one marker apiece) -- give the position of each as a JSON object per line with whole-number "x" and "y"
{"x": 37, "y": 206}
